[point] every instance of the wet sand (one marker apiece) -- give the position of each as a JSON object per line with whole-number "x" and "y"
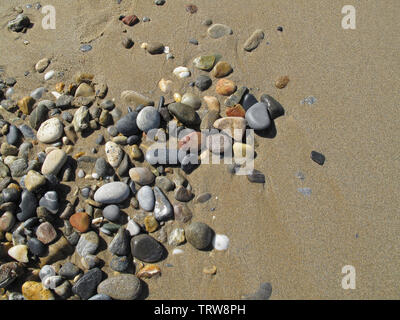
{"x": 297, "y": 243}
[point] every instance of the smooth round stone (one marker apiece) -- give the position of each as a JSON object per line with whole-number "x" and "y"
{"x": 275, "y": 109}
{"x": 13, "y": 135}
{"x": 27, "y": 205}
{"x": 7, "y": 221}
{"x": 181, "y": 72}
{"x": 19, "y": 253}
{"x": 203, "y": 82}
{"x": 46, "y": 233}
{"x": 146, "y": 198}
{"x": 219, "y": 143}
{"x": 42, "y": 64}
{"x": 87, "y": 244}
{"x": 53, "y": 162}
{"x": 220, "y": 242}
{"x": 112, "y": 193}
{"x": 18, "y": 167}
{"x": 192, "y": 100}
{"x": 134, "y": 139}
{"x": 258, "y": 117}
{"x": 122, "y": 287}
{"x": 50, "y": 201}
{"x": 204, "y": 62}
{"x": 85, "y": 47}
{"x": 69, "y": 270}
{"x": 221, "y": 69}
{"x": 112, "y": 213}
{"x": 204, "y": 197}
{"x": 146, "y": 248}
{"x": 199, "y": 235}
{"x": 219, "y": 30}
{"x": 84, "y": 90}
{"x": 127, "y": 125}
{"x": 148, "y": 118}
{"x": 49, "y": 75}
{"x": 100, "y": 296}
{"x": 46, "y": 271}
{"x": 50, "y": 131}
{"x": 119, "y": 264}
{"x": 86, "y": 286}
{"x": 184, "y": 113}
{"x": 163, "y": 209}
{"x": 80, "y": 221}
{"x": 114, "y": 154}
{"x": 164, "y": 184}
{"x": 141, "y": 175}
{"x": 133, "y": 228}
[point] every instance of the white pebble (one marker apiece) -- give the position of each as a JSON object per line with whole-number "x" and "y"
{"x": 182, "y": 72}
{"x": 177, "y": 251}
{"x": 49, "y": 75}
{"x": 9, "y": 92}
{"x": 95, "y": 175}
{"x": 133, "y": 228}
{"x": 56, "y": 94}
{"x": 166, "y": 49}
{"x": 81, "y": 173}
{"x": 220, "y": 242}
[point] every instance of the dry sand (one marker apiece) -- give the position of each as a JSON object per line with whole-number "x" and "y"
{"x": 299, "y": 244}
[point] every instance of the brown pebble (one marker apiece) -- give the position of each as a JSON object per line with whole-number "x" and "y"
{"x": 225, "y": 87}
{"x": 236, "y": 111}
{"x": 282, "y": 82}
{"x": 130, "y": 20}
{"x": 149, "y": 271}
{"x": 151, "y": 224}
{"x": 60, "y": 87}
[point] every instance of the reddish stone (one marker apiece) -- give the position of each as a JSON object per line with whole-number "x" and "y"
{"x": 130, "y": 20}
{"x": 236, "y": 111}
{"x": 46, "y": 233}
{"x": 80, "y": 221}
{"x": 191, "y": 141}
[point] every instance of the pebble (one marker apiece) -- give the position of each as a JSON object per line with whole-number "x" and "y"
{"x": 164, "y": 184}
{"x": 248, "y": 101}
{"x": 258, "y": 117}
{"x": 127, "y": 124}
{"x": 42, "y": 65}
{"x": 191, "y": 8}
{"x": 146, "y": 248}
{"x": 36, "y": 247}
{"x": 236, "y": 111}
{"x": 194, "y": 41}
{"x": 114, "y": 154}
{"x": 317, "y": 157}
{"x": 133, "y": 228}
{"x": 120, "y": 243}
{"x": 50, "y": 131}
{"x": 46, "y": 233}
{"x": 27, "y": 132}
{"x": 100, "y": 296}
{"x": 141, "y": 175}
{"x": 20, "y": 23}
{"x": 218, "y": 30}
{"x": 69, "y": 271}
{"x": 86, "y": 286}
{"x": 192, "y": 100}
{"x": 46, "y": 271}
{"x": 256, "y": 176}
{"x": 184, "y": 113}
{"x": 38, "y": 93}
{"x": 234, "y": 127}
{"x": 182, "y": 72}
{"x": 282, "y": 82}
{"x": 275, "y": 109}
{"x": 309, "y": 100}
{"x": 49, "y": 75}
{"x": 53, "y": 162}
{"x": 205, "y": 63}
{"x": 87, "y": 244}
{"x": 182, "y": 194}
{"x": 148, "y": 118}
{"x": 85, "y": 47}
{"x": 80, "y": 221}
{"x": 236, "y": 98}
{"x": 163, "y": 209}
{"x": 64, "y": 101}
{"x": 13, "y": 135}
{"x": 35, "y": 291}
{"x": 204, "y": 197}
{"x": 149, "y": 271}
{"x": 199, "y": 235}
{"x": 220, "y": 242}
{"x": 225, "y": 87}
{"x": 9, "y": 272}
{"x": 19, "y": 253}
{"x": 52, "y": 282}
{"x": 119, "y": 264}
{"x": 210, "y": 270}
{"x": 203, "y": 82}
{"x": 81, "y": 119}
{"x": 26, "y": 104}
{"x": 27, "y": 205}
{"x": 254, "y": 40}
{"x": 221, "y": 69}
{"x": 176, "y": 237}
{"x": 165, "y": 85}
{"x": 127, "y": 42}
{"x": 155, "y": 48}
{"x": 112, "y": 213}
{"x": 121, "y": 287}
{"x": 146, "y": 198}
{"x": 38, "y": 116}
{"x": 151, "y": 224}
{"x": 130, "y": 20}
{"x": 64, "y": 290}
{"x": 90, "y": 261}
{"x": 112, "y": 193}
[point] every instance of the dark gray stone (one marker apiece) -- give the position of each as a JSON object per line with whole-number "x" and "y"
{"x": 258, "y": 117}
{"x": 127, "y": 125}
{"x": 120, "y": 244}
{"x": 86, "y": 286}
{"x": 146, "y": 248}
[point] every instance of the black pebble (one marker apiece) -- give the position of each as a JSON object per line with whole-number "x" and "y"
{"x": 256, "y": 177}
{"x": 280, "y": 29}
{"x": 318, "y": 157}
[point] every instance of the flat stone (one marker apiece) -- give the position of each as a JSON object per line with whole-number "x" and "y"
{"x": 146, "y": 198}
{"x": 88, "y": 244}
{"x": 90, "y": 261}
{"x": 219, "y": 30}
{"x": 164, "y": 184}
{"x": 18, "y": 167}
{"x": 112, "y": 193}
{"x": 258, "y": 117}
{"x": 204, "y": 197}
{"x": 318, "y": 157}
{"x": 84, "y": 90}
{"x": 236, "y": 111}
{"x": 148, "y": 118}
{"x": 53, "y": 162}
{"x": 133, "y": 228}
{"x": 141, "y": 175}
{"x": 86, "y": 286}
{"x": 50, "y": 131}
{"x": 64, "y": 101}
{"x": 254, "y": 40}
{"x": 146, "y": 248}
{"x": 46, "y": 233}
{"x": 122, "y": 287}
{"x": 199, "y": 235}
{"x": 130, "y": 20}
{"x": 221, "y": 69}
{"x": 205, "y": 63}
{"x": 81, "y": 119}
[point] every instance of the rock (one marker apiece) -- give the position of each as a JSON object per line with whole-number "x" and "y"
{"x": 122, "y": 287}
{"x": 63, "y": 290}
{"x": 191, "y": 100}
{"x": 146, "y": 198}
{"x": 69, "y": 271}
{"x": 219, "y": 143}
{"x": 204, "y": 197}
{"x": 205, "y": 63}
{"x": 219, "y": 30}
{"x": 50, "y": 201}
{"x": 9, "y": 272}
{"x": 54, "y": 161}
{"x": 27, "y": 131}
{"x": 26, "y": 105}
{"x": 208, "y": 120}
{"x": 148, "y": 118}
{"x": 86, "y": 286}
{"x": 102, "y": 167}
{"x": 210, "y": 270}
{"x": 64, "y": 101}
{"x": 165, "y": 85}
{"x": 38, "y": 116}
{"x": 80, "y": 221}
{"x": 46, "y": 271}
{"x": 191, "y": 8}
{"x": 176, "y": 237}
{"x": 236, "y": 98}
{"x": 81, "y": 119}
{"x": 275, "y": 109}
{"x": 90, "y": 261}
{"x": 35, "y": 291}
{"x": 18, "y": 167}
{"x": 88, "y": 243}
{"x": 120, "y": 244}
{"x": 163, "y": 209}
{"x": 130, "y": 20}
{"x": 263, "y": 293}
{"x": 57, "y": 251}
{"x": 199, "y": 235}
{"x": 256, "y": 176}
{"x": 248, "y": 101}
{"x": 225, "y": 87}
{"x": 119, "y": 264}
{"x": 13, "y": 135}
{"x": 146, "y": 248}
{"x": 182, "y": 213}
{"x": 184, "y": 113}
{"x": 155, "y": 48}
{"x": 182, "y": 72}
{"x": 114, "y": 154}
{"x": 318, "y": 157}
{"x": 100, "y": 297}
{"x": 254, "y": 41}
{"x": 130, "y": 97}
{"x": 182, "y": 194}
{"x": 52, "y": 282}
{"x": 19, "y": 253}
{"x": 133, "y": 228}
{"x": 127, "y": 43}
{"x": 49, "y": 75}
{"x": 258, "y": 117}
{"x": 36, "y": 247}
{"x": 282, "y": 82}
{"x": 141, "y": 175}
{"x": 84, "y": 90}
{"x": 112, "y": 213}
{"x": 235, "y": 127}
{"x": 149, "y": 271}
{"x": 112, "y": 193}
{"x": 50, "y": 131}
{"x": 38, "y": 93}
{"x": 150, "y": 224}
{"x": 203, "y": 82}
{"x": 28, "y": 206}
{"x": 164, "y": 184}
{"x": 20, "y": 23}
{"x": 220, "y": 242}
{"x": 127, "y": 125}
{"x": 7, "y": 221}
{"x": 236, "y": 111}
{"x": 46, "y": 233}
{"x": 42, "y": 65}
{"x": 221, "y": 69}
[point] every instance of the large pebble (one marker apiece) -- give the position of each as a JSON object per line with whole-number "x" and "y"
{"x": 122, "y": 287}
{"x": 141, "y": 175}
{"x": 53, "y": 162}
{"x": 112, "y": 213}
{"x": 199, "y": 235}
{"x": 51, "y": 130}
{"x": 146, "y": 248}
{"x": 163, "y": 209}
{"x": 86, "y": 286}
{"x": 148, "y": 118}
{"x": 127, "y": 125}
{"x": 219, "y": 30}
{"x": 19, "y": 253}
{"x": 192, "y": 100}
{"x": 46, "y": 233}
{"x": 258, "y": 117}
{"x": 146, "y": 198}
{"x": 204, "y": 62}
{"x": 112, "y": 193}
{"x": 120, "y": 243}
{"x": 88, "y": 243}
{"x": 184, "y": 113}
{"x": 114, "y": 153}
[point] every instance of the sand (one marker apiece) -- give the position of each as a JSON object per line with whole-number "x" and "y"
{"x": 297, "y": 243}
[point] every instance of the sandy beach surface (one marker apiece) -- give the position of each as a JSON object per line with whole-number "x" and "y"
{"x": 297, "y": 243}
